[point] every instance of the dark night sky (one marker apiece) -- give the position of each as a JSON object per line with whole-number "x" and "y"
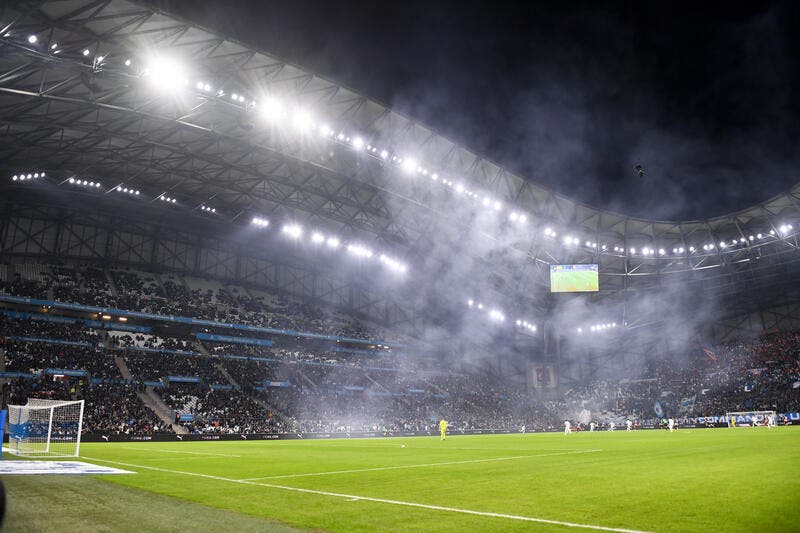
{"x": 570, "y": 96}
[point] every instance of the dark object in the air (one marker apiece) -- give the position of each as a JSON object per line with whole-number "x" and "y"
{"x": 639, "y": 170}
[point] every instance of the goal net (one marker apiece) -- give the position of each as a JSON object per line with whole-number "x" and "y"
{"x": 45, "y": 428}
{"x": 749, "y": 418}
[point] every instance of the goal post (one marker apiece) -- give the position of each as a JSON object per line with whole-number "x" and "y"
{"x": 45, "y": 428}
{"x": 749, "y": 418}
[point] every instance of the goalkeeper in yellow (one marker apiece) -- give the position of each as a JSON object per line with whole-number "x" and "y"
{"x": 443, "y": 428}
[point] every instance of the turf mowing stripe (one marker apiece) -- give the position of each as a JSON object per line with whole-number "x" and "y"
{"x": 377, "y": 469}
{"x": 352, "y": 497}
{"x": 175, "y": 451}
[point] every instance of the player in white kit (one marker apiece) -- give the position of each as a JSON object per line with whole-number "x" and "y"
{"x": 671, "y": 424}
{"x": 612, "y": 426}
{"x": 628, "y": 425}
{"x": 567, "y": 427}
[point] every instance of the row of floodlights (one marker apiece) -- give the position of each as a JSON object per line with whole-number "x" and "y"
{"x": 27, "y": 176}
{"x": 317, "y": 238}
{"x": 599, "y": 327}
{"x": 84, "y": 183}
{"x": 168, "y": 72}
{"x": 496, "y": 315}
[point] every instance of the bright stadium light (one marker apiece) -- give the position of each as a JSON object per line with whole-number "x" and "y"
{"x": 496, "y": 315}
{"x": 470, "y": 302}
{"x": 32, "y": 39}
{"x": 317, "y": 238}
{"x": 301, "y": 120}
{"x": 165, "y": 73}
{"x": 409, "y": 165}
{"x": 359, "y": 251}
{"x": 272, "y": 108}
{"x": 127, "y": 62}
{"x": 333, "y": 242}
{"x": 293, "y": 230}
{"x": 86, "y": 52}
{"x": 661, "y": 251}
{"x": 384, "y": 154}
{"x": 260, "y": 222}
{"x": 358, "y": 143}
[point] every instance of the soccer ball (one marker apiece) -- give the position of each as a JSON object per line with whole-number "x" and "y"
{"x": 402, "y": 445}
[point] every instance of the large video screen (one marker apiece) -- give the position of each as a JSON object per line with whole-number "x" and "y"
{"x": 574, "y": 278}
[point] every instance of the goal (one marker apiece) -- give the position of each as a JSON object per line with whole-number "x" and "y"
{"x": 749, "y": 418}
{"x": 45, "y": 428}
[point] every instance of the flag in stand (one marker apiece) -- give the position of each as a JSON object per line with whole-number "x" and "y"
{"x": 711, "y": 355}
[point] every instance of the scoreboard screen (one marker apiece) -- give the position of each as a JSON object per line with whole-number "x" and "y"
{"x": 574, "y": 278}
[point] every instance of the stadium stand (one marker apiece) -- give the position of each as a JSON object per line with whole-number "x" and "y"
{"x": 244, "y": 382}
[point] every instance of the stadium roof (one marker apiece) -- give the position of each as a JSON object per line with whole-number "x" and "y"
{"x": 121, "y": 93}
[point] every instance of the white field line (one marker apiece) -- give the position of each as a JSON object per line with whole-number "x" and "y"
{"x": 400, "y": 467}
{"x": 175, "y": 451}
{"x": 352, "y": 497}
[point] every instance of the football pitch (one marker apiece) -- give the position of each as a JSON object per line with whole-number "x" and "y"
{"x": 574, "y": 281}
{"x": 742, "y": 479}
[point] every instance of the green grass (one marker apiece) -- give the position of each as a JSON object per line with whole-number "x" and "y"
{"x": 744, "y": 479}
{"x": 574, "y": 281}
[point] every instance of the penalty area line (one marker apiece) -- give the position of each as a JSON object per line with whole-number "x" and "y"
{"x": 423, "y": 465}
{"x": 353, "y": 497}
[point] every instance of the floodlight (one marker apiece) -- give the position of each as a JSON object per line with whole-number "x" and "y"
{"x": 166, "y": 73}
{"x": 14, "y": 178}
{"x": 358, "y": 143}
{"x": 523, "y": 218}
{"x": 317, "y": 238}
{"x": 384, "y": 154}
{"x": 519, "y": 322}
{"x": 496, "y": 315}
{"x": 498, "y": 205}
{"x": 293, "y": 230}
{"x": 53, "y": 46}
{"x": 480, "y": 306}
{"x": 742, "y": 240}
{"x": 470, "y": 302}
{"x": 661, "y": 251}
{"x": 301, "y": 120}
{"x": 633, "y": 250}
{"x": 32, "y": 39}
{"x": 260, "y": 222}
{"x": 86, "y": 53}
{"x": 30, "y": 176}
{"x": 324, "y": 130}
{"x": 409, "y": 165}
{"x": 513, "y": 216}
{"x": 272, "y": 108}
{"x": 580, "y": 330}
{"x": 99, "y": 59}
{"x": 772, "y": 232}
{"x": 333, "y": 242}
{"x": 127, "y": 62}
{"x": 691, "y": 248}
{"x": 722, "y": 244}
